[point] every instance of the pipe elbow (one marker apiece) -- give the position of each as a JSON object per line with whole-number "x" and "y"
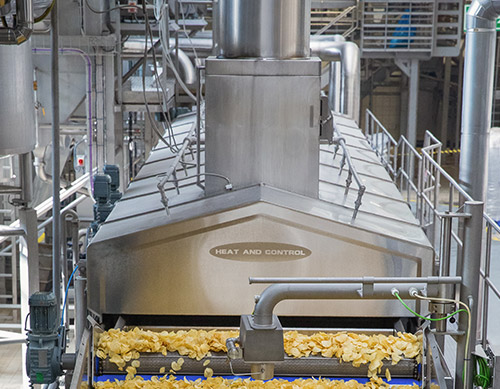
{"x": 482, "y": 14}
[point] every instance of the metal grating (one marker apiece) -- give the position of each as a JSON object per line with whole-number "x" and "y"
{"x": 397, "y": 26}
{"x": 448, "y": 25}
{"x": 430, "y": 28}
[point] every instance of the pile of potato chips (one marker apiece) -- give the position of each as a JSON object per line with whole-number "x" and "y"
{"x": 355, "y": 348}
{"x": 170, "y": 382}
{"x": 124, "y": 346}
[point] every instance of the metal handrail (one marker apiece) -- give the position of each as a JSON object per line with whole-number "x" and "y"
{"x": 352, "y": 172}
{"x": 429, "y": 182}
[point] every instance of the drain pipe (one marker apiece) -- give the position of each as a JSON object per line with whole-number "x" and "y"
{"x": 336, "y": 49}
{"x": 478, "y": 95}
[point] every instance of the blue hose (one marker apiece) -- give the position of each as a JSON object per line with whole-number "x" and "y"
{"x": 66, "y": 295}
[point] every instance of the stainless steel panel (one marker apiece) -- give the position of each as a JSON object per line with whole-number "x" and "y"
{"x": 170, "y": 269}
{"x": 262, "y": 28}
{"x": 17, "y": 107}
{"x": 263, "y": 128}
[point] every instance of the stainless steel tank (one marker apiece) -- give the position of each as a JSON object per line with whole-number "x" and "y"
{"x": 276, "y": 29}
{"x": 17, "y": 104}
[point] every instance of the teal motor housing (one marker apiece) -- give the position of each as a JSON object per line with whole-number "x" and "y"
{"x": 46, "y": 339}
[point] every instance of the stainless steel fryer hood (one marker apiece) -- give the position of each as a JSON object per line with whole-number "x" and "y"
{"x": 143, "y": 261}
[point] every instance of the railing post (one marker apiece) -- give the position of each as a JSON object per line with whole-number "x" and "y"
{"x": 486, "y": 287}
{"x": 469, "y": 290}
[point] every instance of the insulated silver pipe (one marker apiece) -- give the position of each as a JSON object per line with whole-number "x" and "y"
{"x": 469, "y": 267}
{"x": 335, "y": 49}
{"x": 478, "y": 95}
{"x": 263, "y": 313}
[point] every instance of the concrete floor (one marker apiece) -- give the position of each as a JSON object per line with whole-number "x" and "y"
{"x": 11, "y": 369}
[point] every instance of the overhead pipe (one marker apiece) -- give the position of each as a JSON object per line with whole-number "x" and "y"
{"x": 336, "y": 49}
{"x": 477, "y": 99}
{"x": 187, "y": 69}
{"x": 344, "y": 95}
{"x": 24, "y": 25}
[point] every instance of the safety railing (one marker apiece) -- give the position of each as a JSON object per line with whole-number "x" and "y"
{"x": 339, "y": 142}
{"x": 437, "y": 202}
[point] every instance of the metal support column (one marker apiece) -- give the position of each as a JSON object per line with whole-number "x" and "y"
{"x": 411, "y": 68}
{"x": 446, "y": 101}
{"x": 411, "y": 134}
{"x": 469, "y": 291}
{"x": 56, "y": 203}
{"x": 100, "y": 102}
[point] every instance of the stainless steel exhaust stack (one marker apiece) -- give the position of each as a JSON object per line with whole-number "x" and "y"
{"x": 262, "y": 116}
{"x": 478, "y": 95}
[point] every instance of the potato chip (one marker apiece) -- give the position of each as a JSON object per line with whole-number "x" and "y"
{"x": 208, "y": 372}
{"x": 206, "y": 363}
{"x": 388, "y": 374}
{"x": 162, "y": 370}
{"x": 136, "y": 364}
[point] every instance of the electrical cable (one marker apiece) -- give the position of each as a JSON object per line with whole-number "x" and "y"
{"x": 483, "y": 378}
{"x": 424, "y": 317}
{"x": 66, "y": 294}
{"x": 148, "y": 111}
{"x": 187, "y": 35}
{"x": 450, "y": 301}
{"x": 159, "y": 85}
{"x": 46, "y": 12}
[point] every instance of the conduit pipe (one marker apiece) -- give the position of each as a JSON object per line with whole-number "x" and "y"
{"x": 336, "y": 49}
{"x": 23, "y": 26}
{"x": 477, "y": 95}
{"x": 88, "y": 63}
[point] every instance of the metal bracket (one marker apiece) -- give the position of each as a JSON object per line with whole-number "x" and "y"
{"x": 82, "y": 355}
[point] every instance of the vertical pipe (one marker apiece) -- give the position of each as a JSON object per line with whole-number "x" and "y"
{"x": 413, "y": 103}
{"x": 477, "y": 96}
{"x": 56, "y": 203}
{"x": 469, "y": 290}
{"x": 80, "y": 309}
{"x": 444, "y": 290}
{"x": 198, "y": 126}
{"x": 446, "y": 101}
{"x": 486, "y": 288}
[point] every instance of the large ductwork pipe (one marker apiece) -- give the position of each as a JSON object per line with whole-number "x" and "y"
{"x": 276, "y": 29}
{"x": 336, "y": 49}
{"x": 23, "y": 25}
{"x": 478, "y": 95}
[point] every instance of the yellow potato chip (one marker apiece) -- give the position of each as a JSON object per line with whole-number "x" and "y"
{"x": 162, "y": 370}
{"x": 206, "y": 362}
{"x": 136, "y": 364}
{"x": 208, "y": 372}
